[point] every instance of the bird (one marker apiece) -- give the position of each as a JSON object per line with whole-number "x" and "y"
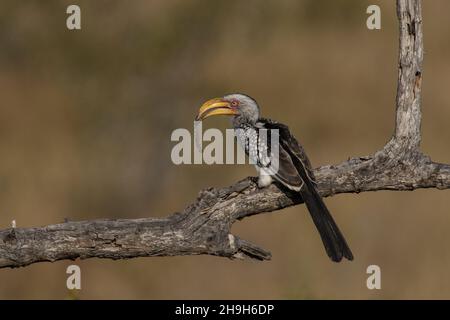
{"x": 291, "y": 167}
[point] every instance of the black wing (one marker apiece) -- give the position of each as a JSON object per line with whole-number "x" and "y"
{"x": 290, "y": 150}
{"x": 292, "y": 154}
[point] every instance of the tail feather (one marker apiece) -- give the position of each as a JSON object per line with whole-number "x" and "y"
{"x": 332, "y": 238}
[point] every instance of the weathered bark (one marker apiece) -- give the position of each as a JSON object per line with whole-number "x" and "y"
{"x": 204, "y": 227}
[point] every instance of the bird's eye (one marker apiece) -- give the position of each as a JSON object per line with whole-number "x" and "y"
{"x": 234, "y": 103}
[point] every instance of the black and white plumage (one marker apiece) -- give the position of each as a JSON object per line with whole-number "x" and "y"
{"x": 286, "y": 162}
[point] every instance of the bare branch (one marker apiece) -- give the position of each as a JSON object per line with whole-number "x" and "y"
{"x": 407, "y": 129}
{"x": 204, "y": 227}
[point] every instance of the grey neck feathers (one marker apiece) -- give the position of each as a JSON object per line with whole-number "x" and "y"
{"x": 241, "y": 121}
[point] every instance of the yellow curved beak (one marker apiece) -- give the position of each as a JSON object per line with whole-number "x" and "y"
{"x": 215, "y": 107}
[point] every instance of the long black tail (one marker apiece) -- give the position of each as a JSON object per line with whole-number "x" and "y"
{"x": 332, "y": 238}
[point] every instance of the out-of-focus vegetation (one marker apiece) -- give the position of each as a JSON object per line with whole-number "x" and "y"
{"x": 86, "y": 118}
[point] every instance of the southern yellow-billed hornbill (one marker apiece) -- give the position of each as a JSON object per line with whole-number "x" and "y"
{"x": 293, "y": 169}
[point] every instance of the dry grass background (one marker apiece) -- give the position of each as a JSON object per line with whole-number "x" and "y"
{"x": 86, "y": 117}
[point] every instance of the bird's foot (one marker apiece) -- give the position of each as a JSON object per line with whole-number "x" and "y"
{"x": 253, "y": 181}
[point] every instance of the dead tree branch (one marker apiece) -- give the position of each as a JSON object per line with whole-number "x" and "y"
{"x": 204, "y": 227}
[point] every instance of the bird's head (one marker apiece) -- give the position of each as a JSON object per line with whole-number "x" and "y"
{"x": 242, "y": 107}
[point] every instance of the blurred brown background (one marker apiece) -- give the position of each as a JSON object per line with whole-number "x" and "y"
{"x": 86, "y": 118}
